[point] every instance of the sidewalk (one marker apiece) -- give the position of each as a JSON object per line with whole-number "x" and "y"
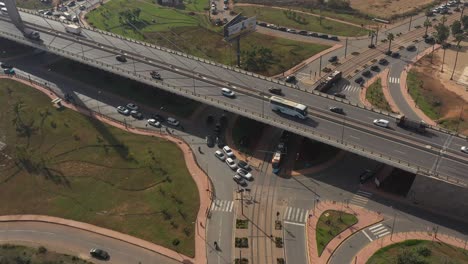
{"x": 200, "y": 178}
{"x": 365, "y": 218}
{"x": 369, "y": 250}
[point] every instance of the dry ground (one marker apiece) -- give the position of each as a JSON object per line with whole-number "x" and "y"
{"x": 387, "y": 8}
{"x": 452, "y": 94}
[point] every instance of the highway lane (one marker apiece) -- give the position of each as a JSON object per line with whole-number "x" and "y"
{"x": 184, "y": 81}
{"x": 77, "y": 242}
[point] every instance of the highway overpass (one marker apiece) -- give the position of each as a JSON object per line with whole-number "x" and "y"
{"x": 434, "y": 154}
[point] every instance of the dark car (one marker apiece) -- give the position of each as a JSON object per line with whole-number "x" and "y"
{"x": 302, "y": 32}
{"x": 6, "y": 66}
{"x": 324, "y": 36}
{"x": 243, "y": 165}
{"x": 411, "y": 48}
{"x": 366, "y": 175}
{"x": 276, "y": 91}
{"x": 383, "y": 61}
{"x": 9, "y": 71}
{"x": 333, "y": 59}
{"x": 72, "y": 3}
{"x": 340, "y": 95}
{"x": 429, "y": 40}
{"x": 155, "y": 75}
{"x": 335, "y": 38}
{"x": 312, "y": 34}
{"x": 366, "y": 73}
{"x": 291, "y": 79}
{"x": 359, "y": 80}
{"x": 121, "y": 58}
{"x": 262, "y": 24}
{"x": 282, "y": 29}
{"x": 99, "y": 254}
{"x": 337, "y": 110}
{"x": 375, "y": 68}
{"x": 395, "y": 55}
{"x": 158, "y": 117}
{"x": 209, "y": 141}
{"x": 136, "y": 115}
{"x": 220, "y": 142}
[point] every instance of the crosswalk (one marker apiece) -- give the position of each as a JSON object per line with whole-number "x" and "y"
{"x": 377, "y": 231}
{"x": 360, "y": 198}
{"x": 393, "y": 80}
{"x": 296, "y": 215}
{"x": 222, "y": 206}
{"x": 351, "y": 89}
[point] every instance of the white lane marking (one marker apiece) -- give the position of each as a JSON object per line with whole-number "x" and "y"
{"x": 354, "y": 137}
{"x": 374, "y": 227}
{"x": 384, "y": 234}
{"x": 230, "y": 208}
{"x": 306, "y": 215}
{"x": 399, "y": 151}
{"x": 363, "y": 193}
{"x": 293, "y": 223}
{"x": 363, "y": 231}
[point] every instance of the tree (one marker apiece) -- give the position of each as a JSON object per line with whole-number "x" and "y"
{"x": 458, "y": 39}
{"x": 427, "y": 24}
{"x": 442, "y": 33}
{"x": 456, "y": 27}
{"x": 390, "y": 38}
{"x": 409, "y": 257}
{"x": 465, "y": 22}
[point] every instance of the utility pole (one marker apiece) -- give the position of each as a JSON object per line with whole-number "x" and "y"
{"x": 409, "y": 26}
{"x": 320, "y": 66}
{"x": 238, "y": 52}
{"x": 346, "y": 47}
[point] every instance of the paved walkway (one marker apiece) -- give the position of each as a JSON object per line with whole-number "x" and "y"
{"x": 370, "y": 249}
{"x": 365, "y": 218}
{"x": 200, "y": 178}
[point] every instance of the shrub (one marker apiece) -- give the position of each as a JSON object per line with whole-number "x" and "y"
{"x": 41, "y": 250}
{"x": 175, "y": 242}
{"x": 424, "y": 251}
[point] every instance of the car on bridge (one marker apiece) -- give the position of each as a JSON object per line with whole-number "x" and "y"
{"x": 155, "y": 75}
{"x": 464, "y": 149}
{"x": 228, "y": 92}
{"x": 381, "y": 122}
{"x": 337, "y": 110}
{"x": 291, "y": 79}
{"x": 121, "y": 58}
{"x": 276, "y": 91}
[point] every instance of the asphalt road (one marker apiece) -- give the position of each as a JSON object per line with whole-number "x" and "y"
{"x": 450, "y": 165}
{"x": 77, "y": 242}
{"x": 295, "y": 243}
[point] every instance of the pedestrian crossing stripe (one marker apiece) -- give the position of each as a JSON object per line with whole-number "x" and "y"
{"x": 351, "y": 88}
{"x": 222, "y": 206}
{"x": 296, "y": 214}
{"x": 394, "y": 80}
{"x": 360, "y": 198}
{"x": 379, "y": 230}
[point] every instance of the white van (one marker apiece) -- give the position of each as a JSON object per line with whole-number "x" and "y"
{"x": 381, "y": 122}
{"x": 228, "y": 93}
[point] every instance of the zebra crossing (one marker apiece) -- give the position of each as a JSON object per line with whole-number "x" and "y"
{"x": 360, "y": 198}
{"x": 222, "y": 206}
{"x": 351, "y": 89}
{"x": 393, "y": 80}
{"x": 295, "y": 215}
{"x": 377, "y": 231}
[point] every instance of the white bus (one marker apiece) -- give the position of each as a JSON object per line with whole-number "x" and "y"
{"x": 288, "y": 107}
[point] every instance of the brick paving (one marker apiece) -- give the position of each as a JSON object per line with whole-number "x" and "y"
{"x": 200, "y": 178}
{"x": 365, "y": 217}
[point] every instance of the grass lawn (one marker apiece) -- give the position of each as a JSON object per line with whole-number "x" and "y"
{"x": 419, "y": 251}
{"x": 67, "y": 165}
{"x": 21, "y": 254}
{"x": 132, "y": 90}
{"x": 33, "y": 4}
{"x": 313, "y": 152}
{"x": 342, "y": 16}
{"x": 375, "y": 96}
{"x": 279, "y": 17}
{"x": 194, "y": 34}
{"x": 427, "y": 103}
{"x": 246, "y": 133}
{"x": 330, "y": 224}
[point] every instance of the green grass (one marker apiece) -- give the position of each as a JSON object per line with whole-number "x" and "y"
{"x": 33, "y": 4}
{"x": 246, "y": 133}
{"x": 278, "y": 17}
{"x": 342, "y": 16}
{"x": 67, "y": 165}
{"x": 22, "y": 254}
{"x": 438, "y": 253}
{"x": 194, "y": 34}
{"x": 376, "y": 97}
{"x": 425, "y": 101}
{"x": 129, "y": 89}
{"x": 330, "y": 224}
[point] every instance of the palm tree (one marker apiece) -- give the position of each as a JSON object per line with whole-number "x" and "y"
{"x": 390, "y": 38}
{"x": 458, "y": 39}
{"x": 427, "y": 24}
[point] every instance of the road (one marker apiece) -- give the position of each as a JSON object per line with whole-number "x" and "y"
{"x": 322, "y": 126}
{"x": 77, "y": 242}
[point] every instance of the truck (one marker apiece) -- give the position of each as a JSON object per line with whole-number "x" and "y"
{"x": 325, "y": 84}
{"x": 73, "y": 29}
{"x": 31, "y": 34}
{"x": 405, "y": 123}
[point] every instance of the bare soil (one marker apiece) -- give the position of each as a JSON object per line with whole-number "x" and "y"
{"x": 452, "y": 94}
{"x": 387, "y": 8}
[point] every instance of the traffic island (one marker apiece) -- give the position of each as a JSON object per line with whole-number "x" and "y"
{"x": 348, "y": 213}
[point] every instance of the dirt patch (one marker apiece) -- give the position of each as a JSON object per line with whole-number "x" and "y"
{"x": 391, "y": 7}
{"x": 450, "y": 96}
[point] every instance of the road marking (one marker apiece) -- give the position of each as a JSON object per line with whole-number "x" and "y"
{"x": 374, "y": 227}
{"x": 393, "y": 80}
{"x": 222, "y": 206}
{"x": 399, "y": 151}
{"x": 293, "y": 223}
{"x": 379, "y": 230}
{"x": 363, "y": 231}
{"x": 360, "y": 198}
{"x": 354, "y": 137}
{"x": 297, "y": 215}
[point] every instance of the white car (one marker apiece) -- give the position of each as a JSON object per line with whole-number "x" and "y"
{"x": 172, "y": 121}
{"x": 231, "y": 163}
{"x": 228, "y": 151}
{"x": 227, "y": 92}
{"x": 220, "y": 155}
{"x": 123, "y": 110}
{"x": 244, "y": 174}
{"x": 381, "y": 122}
{"x": 464, "y": 149}
{"x": 154, "y": 122}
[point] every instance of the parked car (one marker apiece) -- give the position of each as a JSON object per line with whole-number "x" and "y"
{"x": 154, "y": 122}
{"x": 375, "y": 68}
{"x": 290, "y": 30}
{"x": 71, "y": 4}
{"x": 340, "y": 95}
{"x": 9, "y": 71}
{"x": 82, "y": 7}
{"x": 276, "y": 91}
{"x": 121, "y": 58}
{"x": 220, "y": 155}
{"x": 239, "y": 180}
{"x": 291, "y": 79}
{"x": 312, "y": 34}
{"x": 228, "y": 151}
{"x": 366, "y": 73}
{"x": 262, "y": 24}
{"x": 333, "y": 59}
{"x": 383, "y": 61}
{"x": 173, "y": 122}
{"x": 132, "y": 106}
{"x": 359, "y": 80}
{"x": 228, "y": 92}
{"x": 158, "y": 117}
{"x": 302, "y": 32}
{"x": 209, "y": 141}
{"x": 231, "y": 163}
{"x": 220, "y": 142}
{"x": 6, "y": 66}
{"x": 123, "y": 110}
{"x": 244, "y": 174}
{"x": 464, "y": 149}
{"x": 395, "y": 54}
{"x": 366, "y": 175}
{"x": 335, "y": 38}
{"x": 136, "y": 114}
{"x": 411, "y": 48}
{"x": 337, "y": 110}
{"x": 99, "y": 254}
{"x": 324, "y": 36}
{"x": 244, "y": 165}
{"x": 381, "y": 122}
{"x": 282, "y": 29}
{"x": 429, "y": 40}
